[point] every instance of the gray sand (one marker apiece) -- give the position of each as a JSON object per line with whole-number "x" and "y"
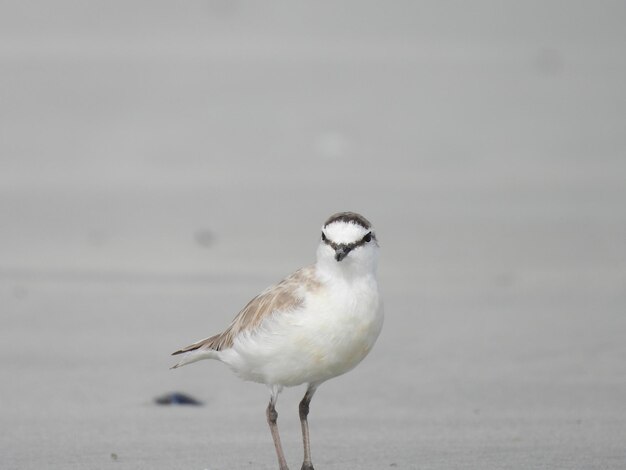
{"x": 161, "y": 163}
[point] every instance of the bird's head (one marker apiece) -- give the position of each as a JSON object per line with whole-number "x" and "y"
{"x": 348, "y": 242}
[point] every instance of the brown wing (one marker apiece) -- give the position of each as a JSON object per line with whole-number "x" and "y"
{"x": 284, "y": 296}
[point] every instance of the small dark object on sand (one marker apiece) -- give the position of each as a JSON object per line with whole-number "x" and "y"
{"x": 177, "y": 398}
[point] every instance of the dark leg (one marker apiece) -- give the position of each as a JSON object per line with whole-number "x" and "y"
{"x": 304, "y": 412}
{"x": 272, "y": 417}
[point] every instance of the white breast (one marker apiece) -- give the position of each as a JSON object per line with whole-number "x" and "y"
{"x": 335, "y": 329}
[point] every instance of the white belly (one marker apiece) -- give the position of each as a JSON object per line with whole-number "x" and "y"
{"x": 328, "y": 337}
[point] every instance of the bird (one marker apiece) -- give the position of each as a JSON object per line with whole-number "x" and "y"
{"x": 314, "y": 325}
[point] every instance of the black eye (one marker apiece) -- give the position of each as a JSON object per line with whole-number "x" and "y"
{"x": 368, "y": 237}
{"x": 324, "y": 236}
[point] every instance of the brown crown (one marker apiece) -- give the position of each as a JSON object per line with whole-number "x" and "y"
{"x": 349, "y": 217}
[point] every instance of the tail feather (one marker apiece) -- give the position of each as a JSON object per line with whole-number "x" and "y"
{"x": 196, "y": 352}
{"x": 207, "y": 343}
{"x": 194, "y": 356}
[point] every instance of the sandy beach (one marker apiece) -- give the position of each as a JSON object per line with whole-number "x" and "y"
{"x": 162, "y": 163}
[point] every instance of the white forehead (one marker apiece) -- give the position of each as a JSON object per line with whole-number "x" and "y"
{"x": 345, "y": 232}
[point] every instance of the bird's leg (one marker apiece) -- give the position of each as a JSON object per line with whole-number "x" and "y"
{"x": 272, "y": 417}
{"x": 304, "y": 412}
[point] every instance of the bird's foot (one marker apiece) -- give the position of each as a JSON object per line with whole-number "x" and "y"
{"x": 307, "y": 466}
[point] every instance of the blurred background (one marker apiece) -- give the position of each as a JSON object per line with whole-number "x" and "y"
{"x": 162, "y": 162}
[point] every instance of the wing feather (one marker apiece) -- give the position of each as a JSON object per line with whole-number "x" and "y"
{"x": 284, "y": 296}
